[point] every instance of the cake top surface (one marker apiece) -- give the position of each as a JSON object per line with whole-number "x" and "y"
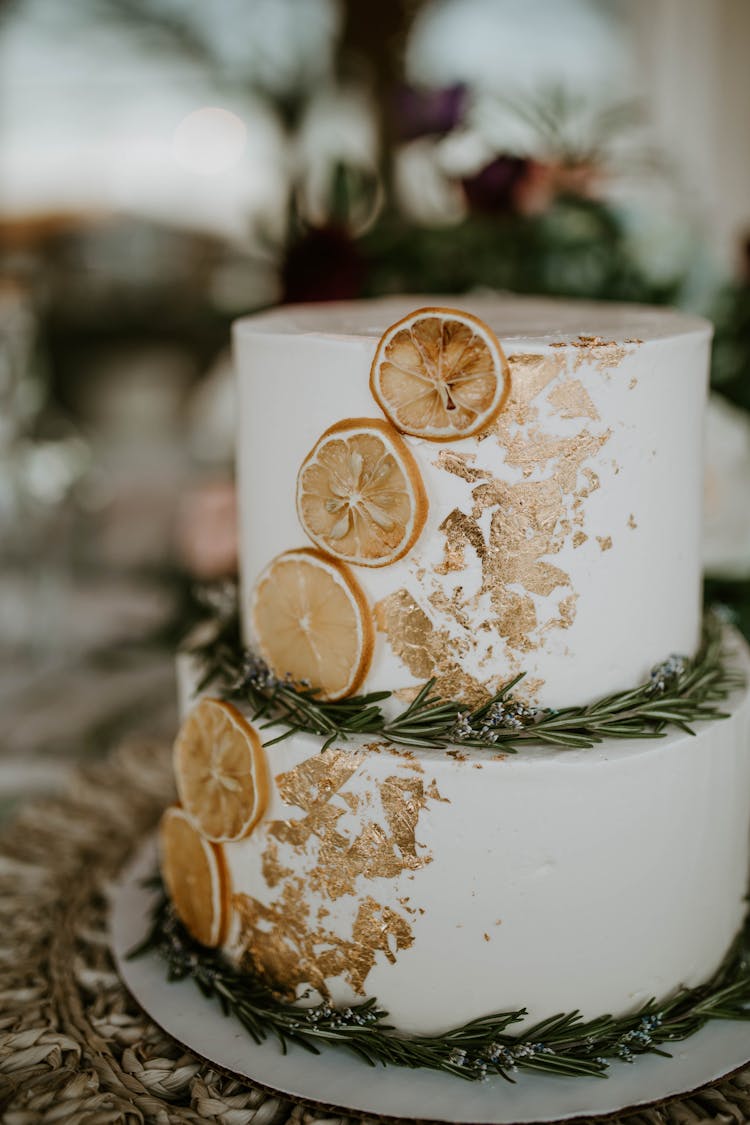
{"x": 542, "y": 321}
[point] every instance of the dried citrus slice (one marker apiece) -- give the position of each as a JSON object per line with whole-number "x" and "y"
{"x": 360, "y": 497}
{"x": 220, "y": 769}
{"x": 195, "y": 877}
{"x": 311, "y": 622}
{"x": 440, "y": 374}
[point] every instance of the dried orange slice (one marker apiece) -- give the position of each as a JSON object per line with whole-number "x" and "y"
{"x": 195, "y": 877}
{"x": 440, "y": 374}
{"x": 220, "y": 769}
{"x": 360, "y": 497}
{"x": 311, "y": 622}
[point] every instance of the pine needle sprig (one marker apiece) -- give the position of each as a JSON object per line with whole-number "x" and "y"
{"x": 566, "y": 1045}
{"x": 679, "y": 693}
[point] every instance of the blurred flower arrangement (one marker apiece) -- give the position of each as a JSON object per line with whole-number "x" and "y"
{"x": 727, "y": 537}
{"x": 393, "y": 186}
{"x": 456, "y": 214}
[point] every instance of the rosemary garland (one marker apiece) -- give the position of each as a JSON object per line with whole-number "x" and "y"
{"x": 565, "y": 1045}
{"x": 680, "y": 691}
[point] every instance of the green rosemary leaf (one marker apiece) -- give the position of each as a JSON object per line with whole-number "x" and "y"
{"x": 563, "y": 1045}
{"x": 679, "y": 693}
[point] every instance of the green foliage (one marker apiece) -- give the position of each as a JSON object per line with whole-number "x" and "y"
{"x": 565, "y": 1045}
{"x": 730, "y": 371}
{"x": 679, "y": 692}
{"x": 577, "y": 248}
{"x": 734, "y": 594}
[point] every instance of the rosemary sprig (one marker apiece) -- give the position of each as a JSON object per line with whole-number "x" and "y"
{"x": 678, "y": 693}
{"x": 566, "y": 1045}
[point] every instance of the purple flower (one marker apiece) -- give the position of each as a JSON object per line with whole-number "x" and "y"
{"x": 422, "y": 112}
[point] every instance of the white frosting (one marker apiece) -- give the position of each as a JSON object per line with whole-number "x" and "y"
{"x": 618, "y": 587}
{"x": 601, "y": 878}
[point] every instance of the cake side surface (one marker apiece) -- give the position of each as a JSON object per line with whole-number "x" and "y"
{"x": 562, "y": 541}
{"x": 551, "y": 879}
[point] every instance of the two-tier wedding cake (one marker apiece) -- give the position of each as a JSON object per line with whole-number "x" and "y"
{"x": 504, "y": 492}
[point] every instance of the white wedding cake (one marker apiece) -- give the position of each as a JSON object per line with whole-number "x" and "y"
{"x": 471, "y": 492}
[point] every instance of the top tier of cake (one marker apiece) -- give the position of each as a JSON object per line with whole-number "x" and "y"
{"x": 562, "y": 542}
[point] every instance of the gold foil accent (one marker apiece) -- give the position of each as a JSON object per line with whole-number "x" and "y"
{"x": 631, "y": 521}
{"x": 603, "y": 354}
{"x": 335, "y": 852}
{"x": 566, "y": 610}
{"x": 451, "y": 606}
{"x": 311, "y": 786}
{"x": 460, "y": 464}
{"x": 460, "y": 531}
{"x": 403, "y": 799}
{"x": 314, "y": 782}
{"x": 572, "y": 400}
{"x": 273, "y": 870}
{"x": 380, "y": 928}
{"x": 378, "y": 851}
{"x": 605, "y": 542}
{"x": 426, "y": 650}
{"x": 409, "y": 630}
{"x": 508, "y": 532}
{"x": 533, "y": 687}
{"x": 285, "y": 946}
{"x": 524, "y": 518}
{"x": 433, "y": 793}
{"x": 530, "y": 375}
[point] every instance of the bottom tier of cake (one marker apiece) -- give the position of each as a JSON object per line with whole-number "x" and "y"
{"x": 452, "y": 884}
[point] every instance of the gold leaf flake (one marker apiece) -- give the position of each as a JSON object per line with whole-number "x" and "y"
{"x": 327, "y": 851}
{"x": 409, "y": 631}
{"x": 285, "y": 947}
{"x": 460, "y": 531}
{"x": 572, "y": 400}
{"x": 312, "y": 783}
{"x": 460, "y": 464}
{"x": 566, "y": 611}
{"x": 426, "y": 650}
{"x": 273, "y": 870}
{"x": 508, "y": 531}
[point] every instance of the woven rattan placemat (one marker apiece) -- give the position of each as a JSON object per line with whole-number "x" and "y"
{"x": 74, "y": 1048}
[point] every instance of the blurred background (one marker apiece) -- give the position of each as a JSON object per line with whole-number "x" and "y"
{"x": 167, "y": 165}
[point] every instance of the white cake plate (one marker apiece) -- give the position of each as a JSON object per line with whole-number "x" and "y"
{"x": 341, "y": 1083}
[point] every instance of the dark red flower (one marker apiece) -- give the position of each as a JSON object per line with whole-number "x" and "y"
{"x": 323, "y": 264}
{"x": 495, "y": 189}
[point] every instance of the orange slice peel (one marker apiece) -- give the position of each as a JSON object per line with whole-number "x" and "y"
{"x": 195, "y": 876}
{"x": 360, "y": 496}
{"x": 221, "y": 772}
{"x": 440, "y": 374}
{"x": 311, "y": 623}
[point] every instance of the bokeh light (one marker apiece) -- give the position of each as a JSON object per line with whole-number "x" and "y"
{"x": 209, "y": 141}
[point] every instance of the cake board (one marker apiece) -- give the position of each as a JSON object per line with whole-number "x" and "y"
{"x": 336, "y": 1081}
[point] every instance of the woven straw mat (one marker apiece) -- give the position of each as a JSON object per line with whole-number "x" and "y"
{"x": 74, "y": 1048}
